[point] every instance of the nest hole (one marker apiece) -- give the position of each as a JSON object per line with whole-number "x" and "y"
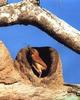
{"x": 45, "y": 54}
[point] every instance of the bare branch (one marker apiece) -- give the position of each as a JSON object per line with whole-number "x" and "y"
{"x": 37, "y": 2}
{"x": 27, "y": 12}
{"x": 20, "y": 91}
{"x": 17, "y": 80}
{"x": 21, "y": 83}
{"x": 55, "y": 27}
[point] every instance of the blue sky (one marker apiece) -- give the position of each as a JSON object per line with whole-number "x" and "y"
{"x": 19, "y": 36}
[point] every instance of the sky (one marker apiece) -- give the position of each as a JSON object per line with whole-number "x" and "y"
{"x": 19, "y": 36}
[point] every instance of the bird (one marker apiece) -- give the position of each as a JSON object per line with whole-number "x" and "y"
{"x": 37, "y": 63}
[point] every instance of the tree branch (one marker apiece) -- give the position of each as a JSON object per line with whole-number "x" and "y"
{"x": 27, "y": 12}
{"x": 19, "y": 82}
{"x": 22, "y": 83}
{"x": 20, "y": 91}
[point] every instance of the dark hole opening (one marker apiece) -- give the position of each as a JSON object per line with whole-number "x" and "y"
{"x": 44, "y": 53}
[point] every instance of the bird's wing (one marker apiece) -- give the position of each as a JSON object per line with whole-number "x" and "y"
{"x": 38, "y": 60}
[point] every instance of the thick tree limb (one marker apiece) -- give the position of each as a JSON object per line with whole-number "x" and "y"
{"x": 19, "y": 82}
{"x": 28, "y": 12}
{"x": 20, "y": 91}
{"x": 22, "y": 83}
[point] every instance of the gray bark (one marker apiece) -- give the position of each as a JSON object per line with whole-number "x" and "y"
{"x": 29, "y": 12}
{"x": 13, "y": 83}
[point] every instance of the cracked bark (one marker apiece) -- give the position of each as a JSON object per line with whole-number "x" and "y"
{"x": 18, "y": 82}
{"x": 12, "y": 85}
{"x": 29, "y": 12}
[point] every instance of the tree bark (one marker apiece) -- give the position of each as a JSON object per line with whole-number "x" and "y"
{"x": 18, "y": 82}
{"x": 29, "y": 12}
{"x": 21, "y": 83}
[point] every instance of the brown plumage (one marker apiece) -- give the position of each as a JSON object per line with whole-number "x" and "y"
{"x": 38, "y": 64}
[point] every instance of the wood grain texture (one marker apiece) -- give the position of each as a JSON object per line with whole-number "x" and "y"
{"x": 19, "y": 82}
{"x": 29, "y": 12}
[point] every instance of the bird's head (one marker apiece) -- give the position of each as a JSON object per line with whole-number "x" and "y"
{"x": 33, "y": 52}
{"x": 35, "y": 56}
